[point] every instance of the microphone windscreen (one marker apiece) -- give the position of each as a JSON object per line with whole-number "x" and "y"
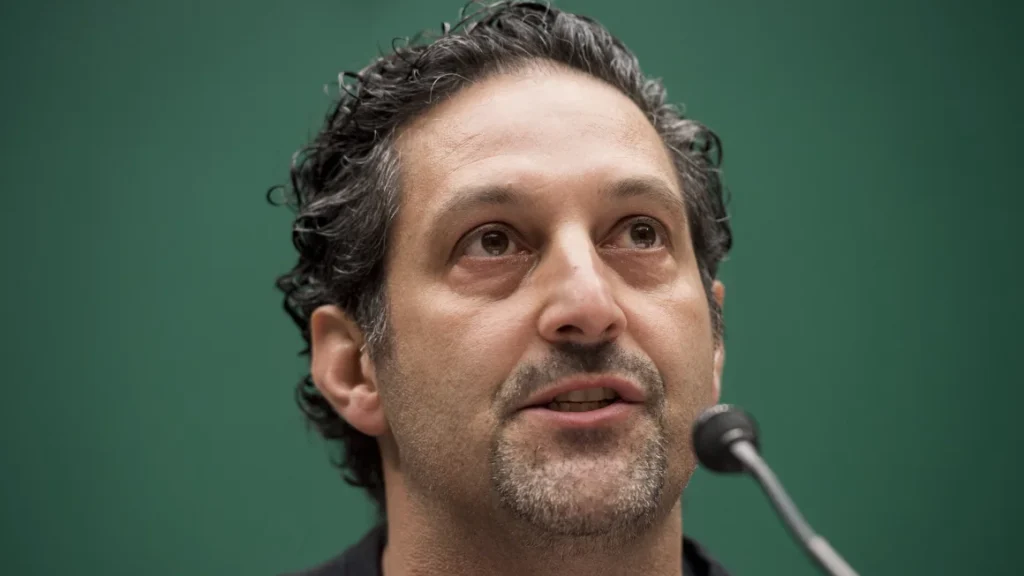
{"x": 715, "y": 430}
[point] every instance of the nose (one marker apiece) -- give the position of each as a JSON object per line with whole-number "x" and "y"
{"x": 581, "y": 307}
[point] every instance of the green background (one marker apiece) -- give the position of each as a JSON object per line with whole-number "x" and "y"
{"x": 873, "y": 308}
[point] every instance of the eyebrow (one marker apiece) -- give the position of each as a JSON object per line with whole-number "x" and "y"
{"x": 643, "y": 187}
{"x": 473, "y": 197}
{"x": 646, "y": 187}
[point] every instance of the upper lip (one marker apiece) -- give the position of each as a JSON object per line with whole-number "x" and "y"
{"x": 628, "y": 391}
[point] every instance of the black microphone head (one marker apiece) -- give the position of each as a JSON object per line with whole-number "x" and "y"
{"x": 716, "y": 430}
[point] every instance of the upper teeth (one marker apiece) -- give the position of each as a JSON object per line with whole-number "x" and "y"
{"x": 588, "y": 395}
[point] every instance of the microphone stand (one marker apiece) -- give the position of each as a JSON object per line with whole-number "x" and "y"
{"x": 819, "y": 548}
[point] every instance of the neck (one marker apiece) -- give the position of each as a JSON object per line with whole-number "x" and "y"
{"x": 423, "y": 539}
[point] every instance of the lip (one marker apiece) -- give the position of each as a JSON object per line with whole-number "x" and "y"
{"x": 629, "y": 392}
{"x": 611, "y": 414}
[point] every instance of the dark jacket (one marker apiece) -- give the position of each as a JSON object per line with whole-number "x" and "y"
{"x": 363, "y": 559}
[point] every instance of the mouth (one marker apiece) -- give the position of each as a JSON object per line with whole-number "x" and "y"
{"x": 586, "y": 403}
{"x": 586, "y": 400}
{"x": 585, "y": 393}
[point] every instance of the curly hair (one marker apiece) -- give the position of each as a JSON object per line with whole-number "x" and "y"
{"x": 344, "y": 183}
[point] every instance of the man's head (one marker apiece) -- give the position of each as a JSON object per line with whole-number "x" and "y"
{"x": 507, "y": 212}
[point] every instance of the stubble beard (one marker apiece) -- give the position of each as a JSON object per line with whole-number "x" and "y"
{"x": 585, "y": 490}
{"x": 591, "y": 484}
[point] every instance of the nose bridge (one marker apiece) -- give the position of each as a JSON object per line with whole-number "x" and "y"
{"x": 577, "y": 263}
{"x": 581, "y": 305}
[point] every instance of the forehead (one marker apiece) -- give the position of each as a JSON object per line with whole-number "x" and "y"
{"x": 534, "y": 129}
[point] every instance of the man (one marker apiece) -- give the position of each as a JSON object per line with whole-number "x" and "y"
{"x": 508, "y": 246}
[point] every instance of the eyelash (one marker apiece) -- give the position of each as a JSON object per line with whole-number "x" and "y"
{"x": 514, "y": 238}
{"x": 662, "y": 231}
{"x": 479, "y": 233}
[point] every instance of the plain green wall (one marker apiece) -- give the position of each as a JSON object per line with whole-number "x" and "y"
{"x": 873, "y": 308}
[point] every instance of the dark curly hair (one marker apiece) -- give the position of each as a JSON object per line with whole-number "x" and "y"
{"x": 344, "y": 184}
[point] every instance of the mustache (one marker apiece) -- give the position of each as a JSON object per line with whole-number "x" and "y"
{"x": 568, "y": 359}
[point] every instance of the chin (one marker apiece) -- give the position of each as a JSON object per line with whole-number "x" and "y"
{"x": 616, "y": 493}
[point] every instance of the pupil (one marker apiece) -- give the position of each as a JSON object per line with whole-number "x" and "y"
{"x": 643, "y": 234}
{"x": 494, "y": 243}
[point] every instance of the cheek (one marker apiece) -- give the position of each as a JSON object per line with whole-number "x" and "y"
{"x": 454, "y": 353}
{"x": 674, "y": 328}
{"x": 443, "y": 333}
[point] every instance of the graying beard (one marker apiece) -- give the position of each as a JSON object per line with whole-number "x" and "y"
{"x": 529, "y": 501}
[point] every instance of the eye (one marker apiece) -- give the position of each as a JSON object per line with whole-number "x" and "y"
{"x": 491, "y": 243}
{"x": 643, "y": 234}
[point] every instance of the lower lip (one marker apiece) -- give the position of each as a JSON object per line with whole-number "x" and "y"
{"x": 613, "y": 413}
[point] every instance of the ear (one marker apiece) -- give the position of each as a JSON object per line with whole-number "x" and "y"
{"x": 718, "y": 291}
{"x": 344, "y": 374}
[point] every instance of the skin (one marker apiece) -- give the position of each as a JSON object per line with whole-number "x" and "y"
{"x": 481, "y": 292}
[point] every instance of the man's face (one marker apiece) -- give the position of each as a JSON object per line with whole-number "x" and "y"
{"x": 542, "y": 242}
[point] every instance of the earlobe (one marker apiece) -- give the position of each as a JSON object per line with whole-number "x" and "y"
{"x": 718, "y": 291}
{"x": 343, "y": 372}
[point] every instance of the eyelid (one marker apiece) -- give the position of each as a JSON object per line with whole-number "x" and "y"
{"x": 463, "y": 244}
{"x": 663, "y": 231}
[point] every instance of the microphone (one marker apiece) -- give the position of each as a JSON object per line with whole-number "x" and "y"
{"x": 725, "y": 439}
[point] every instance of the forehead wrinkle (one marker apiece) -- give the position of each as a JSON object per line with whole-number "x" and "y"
{"x": 458, "y": 132}
{"x": 473, "y": 103}
{"x": 470, "y": 197}
{"x": 650, "y": 187}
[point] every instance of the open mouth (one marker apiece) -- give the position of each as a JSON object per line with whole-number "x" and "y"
{"x": 583, "y": 400}
{"x": 587, "y": 408}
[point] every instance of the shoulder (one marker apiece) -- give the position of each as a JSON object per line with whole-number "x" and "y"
{"x": 698, "y": 562}
{"x": 362, "y": 559}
